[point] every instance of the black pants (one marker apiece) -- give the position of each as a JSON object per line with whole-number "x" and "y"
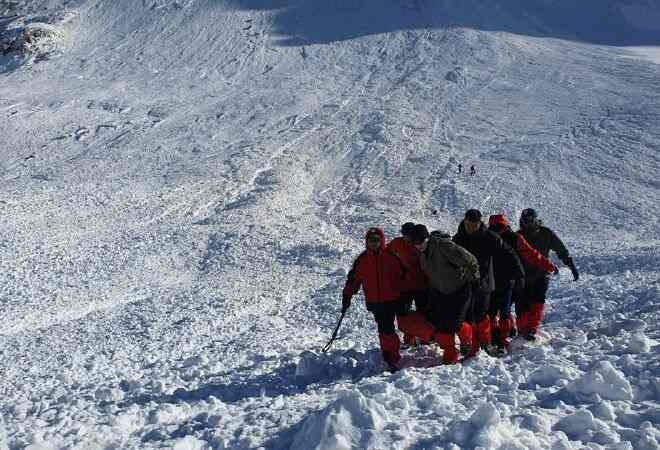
{"x": 386, "y": 313}
{"x": 447, "y": 312}
{"x": 480, "y": 305}
{"x": 420, "y": 298}
{"x": 534, "y": 292}
{"x": 500, "y": 303}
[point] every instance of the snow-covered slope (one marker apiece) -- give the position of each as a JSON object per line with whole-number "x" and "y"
{"x": 185, "y": 183}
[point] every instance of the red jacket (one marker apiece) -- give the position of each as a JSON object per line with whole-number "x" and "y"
{"x": 380, "y": 273}
{"x": 533, "y": 257}
{"x": 415, "y": 279}
{"x": 529, "y": 255}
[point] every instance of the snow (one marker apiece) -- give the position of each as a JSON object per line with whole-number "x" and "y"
{"x": 185, "y": 185}
{"x": 650, "y": 53}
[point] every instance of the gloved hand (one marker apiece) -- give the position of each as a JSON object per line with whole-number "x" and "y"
{"x": 345, "y": 303}
{"x": 571, "y": 265}
{"x": 555, "y": 269}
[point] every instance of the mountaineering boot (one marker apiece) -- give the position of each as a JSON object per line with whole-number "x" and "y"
{"x": 465, "y": 338}
{"x": 446, "y": 343}
{"x": 390, "y": 346}
{"x": 483, "y": 331}
{"x": 522, "y": 323}
{"x": 535, "y": 318}
{"x": 506, "y": 326}
{"x": 494, "y": 350}
{"x": 409, "y": 340}
{"x": 495, "y": 330}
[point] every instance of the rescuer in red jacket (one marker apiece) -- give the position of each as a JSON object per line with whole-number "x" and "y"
{"x": 507, "y": 280}
{"x": 415, "y": 286}
{"x": 381, "y": 274}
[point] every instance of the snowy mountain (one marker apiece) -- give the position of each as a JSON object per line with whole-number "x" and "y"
{"x": 185, "y": 184}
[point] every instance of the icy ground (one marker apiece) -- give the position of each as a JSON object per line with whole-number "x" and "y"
{"x": 184, "y": 184}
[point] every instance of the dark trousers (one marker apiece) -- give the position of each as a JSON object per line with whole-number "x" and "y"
{"x": 534, "y": 292}
{"x": 500, "y": 303}
{"x": 480, "y": 305}
{"x": 386, "y": 313}
{"x": 420, "y": 298}
{"x": 447, "y": 312}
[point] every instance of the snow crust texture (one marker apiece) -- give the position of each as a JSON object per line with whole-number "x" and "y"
{"x": 185, "y": 184}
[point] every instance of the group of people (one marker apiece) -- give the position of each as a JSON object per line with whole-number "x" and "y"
{"x": 473, "y": 171}
{"x": 462, "y": 286}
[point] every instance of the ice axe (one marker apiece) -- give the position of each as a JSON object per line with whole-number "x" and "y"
{"x": 327, "y": 346}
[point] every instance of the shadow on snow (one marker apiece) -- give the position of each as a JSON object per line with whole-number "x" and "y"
{"x": 609, "y": 22}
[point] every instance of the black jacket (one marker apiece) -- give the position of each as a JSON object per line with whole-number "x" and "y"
{"x": 498, "y": 262}
{"x": 544, "y": 239}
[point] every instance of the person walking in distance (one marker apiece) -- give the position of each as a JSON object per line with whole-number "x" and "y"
{"x": 506, "y": 281}
{"x": 531, "y": 301}
{"x": 450, "y": 270}
{"x": 460, "y": 168}
{"x": 487, "y": 247}
{"x": 381, "y": 275}
{"x": 415, "y": 286}
{"x": 473, "y": 171}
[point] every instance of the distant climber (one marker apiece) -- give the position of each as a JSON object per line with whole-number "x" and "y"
{"x": 473, "y": 171}
{"x": 460, "y": 168}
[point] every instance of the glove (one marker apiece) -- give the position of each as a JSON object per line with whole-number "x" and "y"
{"x": 571, "y": 265}
{"x": 555, "y": 269}
{"x": 345, "y": 303}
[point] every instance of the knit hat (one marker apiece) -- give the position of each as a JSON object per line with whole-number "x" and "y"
{"x": 473, "y": 215}
{"x": 498, "y": 219}
{"x": 407, "y": 228}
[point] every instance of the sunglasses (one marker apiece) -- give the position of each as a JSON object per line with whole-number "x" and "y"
{"x": 373, "y": 239}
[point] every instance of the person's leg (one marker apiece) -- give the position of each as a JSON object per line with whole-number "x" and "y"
{"x": 384, "y": 314}
{"x": 421, "y": 298}
{"x": 481, "y": 322}
{"x": 540, "y": 289}
{"x": 506, "y": 321}
{"x": 406, "y": 307}
{"x": 493, "y": 312}
{"x": 524, "y": 306}
{"x": 453, "y": 320}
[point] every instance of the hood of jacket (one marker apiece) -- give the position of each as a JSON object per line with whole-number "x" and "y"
{"x": 376, "y": 231}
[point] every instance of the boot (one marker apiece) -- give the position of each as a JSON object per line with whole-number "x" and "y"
{"x": 465, "y": 338}
{"x": 474, "y": 347}
{"x": 390, "y": 346}
{"x": 535, "y": 319}
{"x": 506, "y": 326}
{"x": 522, "y": 323}
{"x": 495, "y": 330}
{"x": 409, "y": 340}
{"x": 446, "y": 343}
{"x": 484, "y": 332}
